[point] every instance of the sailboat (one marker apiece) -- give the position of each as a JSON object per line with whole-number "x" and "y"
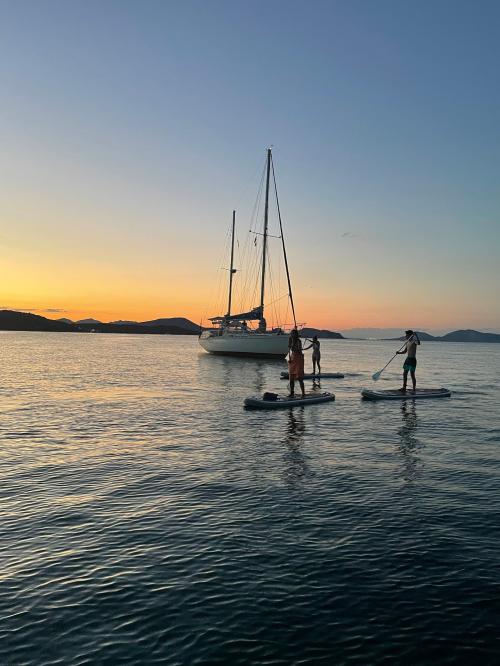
{"x": 230, "y": 333}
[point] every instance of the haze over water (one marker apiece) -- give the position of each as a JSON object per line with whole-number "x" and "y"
{"x": 146, "y": 518}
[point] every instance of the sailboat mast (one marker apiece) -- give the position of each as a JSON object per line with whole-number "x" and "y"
{"x": 284, "y": 250}
{"x": 264, "y": 243}
{"x": 231, "y": 269}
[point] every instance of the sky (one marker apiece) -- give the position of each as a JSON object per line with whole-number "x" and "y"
{"x": 130, "y": 131}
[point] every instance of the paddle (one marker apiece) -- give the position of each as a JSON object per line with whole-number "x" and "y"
{"x": 376, "y": 375}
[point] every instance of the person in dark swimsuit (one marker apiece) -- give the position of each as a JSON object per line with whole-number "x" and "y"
{"x": 410, "y": 364}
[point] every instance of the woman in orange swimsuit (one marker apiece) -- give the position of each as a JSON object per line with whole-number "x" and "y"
{"x": 295, "y": 363}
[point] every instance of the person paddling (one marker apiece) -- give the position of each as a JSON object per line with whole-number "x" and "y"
{"x": 316, "y": 354}
{"x": 295, "y": 363}
{"x": 410, "y": 364}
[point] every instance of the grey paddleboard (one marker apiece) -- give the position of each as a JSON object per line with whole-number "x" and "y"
{"x": 394, "y": 394}
{"x": 323, "y": 375}
{"x": 284, "y": 401}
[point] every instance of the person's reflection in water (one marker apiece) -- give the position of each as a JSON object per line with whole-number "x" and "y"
{"x": 259, "y": 377}
{"x": 295, "y": 464}
{"x": 409, "y": 443}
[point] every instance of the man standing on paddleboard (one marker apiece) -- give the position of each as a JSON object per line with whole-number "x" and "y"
{"x": 410, "y": 364}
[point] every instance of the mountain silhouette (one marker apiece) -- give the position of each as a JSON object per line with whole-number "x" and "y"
{"x": 320, "y": 333}
{"x": 467, "y": 335}
{"x": 181, "y": 322}
{"x": 11, "y": 320}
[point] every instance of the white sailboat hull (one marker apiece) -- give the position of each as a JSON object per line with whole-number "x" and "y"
{"x": 258, "y": 345}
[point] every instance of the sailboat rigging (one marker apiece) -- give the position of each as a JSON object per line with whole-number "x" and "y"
{"x": 232, "y": 270}
{"x": 230, "y": 333}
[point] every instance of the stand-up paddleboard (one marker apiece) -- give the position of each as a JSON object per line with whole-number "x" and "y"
{"x": 394, "y": 394}
{"x": 323, "y": 375}
{"x": 273, "y": 401}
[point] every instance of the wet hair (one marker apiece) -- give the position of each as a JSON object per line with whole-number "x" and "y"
{"x": 409, "y": 332}
{"x": 315, "y": 337}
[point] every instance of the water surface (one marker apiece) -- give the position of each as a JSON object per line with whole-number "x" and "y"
{"x": 146, "y": 518}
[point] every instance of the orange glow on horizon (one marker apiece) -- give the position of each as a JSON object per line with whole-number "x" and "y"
{"x": 346, "y": 313}
{"x": 108, "y": 287}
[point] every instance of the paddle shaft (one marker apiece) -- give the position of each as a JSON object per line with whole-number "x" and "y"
{"x": 392, "y": 359}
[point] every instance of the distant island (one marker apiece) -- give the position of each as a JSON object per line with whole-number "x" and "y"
{"x": 320, "y": 333}
{"x": 466, "y": 335}
{"x": 11, "y": 320}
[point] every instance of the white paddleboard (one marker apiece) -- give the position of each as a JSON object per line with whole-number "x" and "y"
{"x": 284, "y": 401}
{"x": 323, "y": 375}
{"x": 394, "y": 394}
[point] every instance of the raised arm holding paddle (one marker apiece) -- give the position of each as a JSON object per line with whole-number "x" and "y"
{"x": 405, "y": 349}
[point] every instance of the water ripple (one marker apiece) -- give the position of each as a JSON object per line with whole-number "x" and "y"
{"x": 146, "y": 518}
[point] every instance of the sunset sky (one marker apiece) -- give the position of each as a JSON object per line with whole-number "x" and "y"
{"x": 130, "y": 130}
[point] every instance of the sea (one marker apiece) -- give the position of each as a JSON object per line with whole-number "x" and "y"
{"x": 147, "y": 518}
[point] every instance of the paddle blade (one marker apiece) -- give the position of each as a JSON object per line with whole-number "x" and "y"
{"x": 376, "y": 375}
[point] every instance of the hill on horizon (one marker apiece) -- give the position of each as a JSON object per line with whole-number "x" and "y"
{"x": 320, "y": 333}
{"x": 182, "y": 322}
{"x": 13, "y": 320}
{"x": 463, "y": 335}
{"x": 469, "y": 335}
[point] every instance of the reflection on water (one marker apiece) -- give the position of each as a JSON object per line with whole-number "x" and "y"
{"x": 409, "y": 444}
{"x": 295, "y": 463}
{"x": 296, "y": 426}
{"x": 234, "y": 370}
{"x": 259, "y": 380}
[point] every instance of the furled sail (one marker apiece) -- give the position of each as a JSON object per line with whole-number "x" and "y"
{"x": 254, "y": 314}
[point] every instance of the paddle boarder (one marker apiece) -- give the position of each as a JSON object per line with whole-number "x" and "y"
{"x": 316, "y": 355}
{"x": 295, "y": 363}
{"x": 410, "y": 364}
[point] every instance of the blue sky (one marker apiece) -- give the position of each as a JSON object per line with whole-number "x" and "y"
{"x": 131, "y": 129}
